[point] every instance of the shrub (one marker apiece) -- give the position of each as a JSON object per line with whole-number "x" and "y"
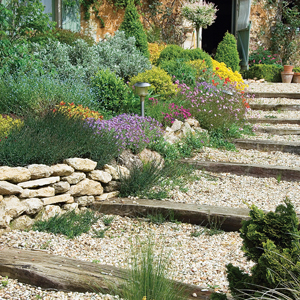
{"x": 155, "y": 50}
{"x": 227, "y": 52}
{"x": 134, "y": 132}
{"x": 132, "y": 26}
{"x": 160, "y": 80}
{"x": 72, "y": 110}
{"x": 199, "y": 65}
{"x": 271, "y": 241}
{"x": 69, "y": 224}
{"x": 271, "y": 73}
{"x": 179, "y": 70}
{"x": 53, "y": 137}
{"x": 112, "y": 94}
{"x": 224, "y": 72}
{"x": 7, "y": 124}
{"x": 170, "y": 52}
{"x": 263, "y": 56}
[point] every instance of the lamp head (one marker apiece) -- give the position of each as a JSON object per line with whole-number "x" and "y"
{"x": 142, "y": 88}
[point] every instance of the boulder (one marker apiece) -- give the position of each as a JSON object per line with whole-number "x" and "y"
{"x": 50, "y": 211}
{"x": 147, "y": 156}
{"x": 33, "y": 205}
{"x": 39, "y": 171}
{"x": 86, "y": 187}
{"x": 13, "y": 206}
{"x": 61, "y": 187}
{"x": 74, "y": 178}
{"x": 70, "y": 207}
{"x": 123, "y": 171}
{"x": 112, "y": 186}
{"x": 192, "y": 122}
{"x": 62, "y": 170}
{"x": 57, "y": 199}
{"x": 42, "y": 192}
{"x": 39, "y": 182}
{"x": 112, "y": 171}
{"x": 84, "y": 200}
{"x": 106, "y": 196}
{"x": 128, "y": 159}
{"x": 4, "y": 218}
{"x": 81, "y": 164}
{"x": 15, "y": 175}
{"x": 99, "y": 175}
{"x": 7, "y": 188}
{"x": 22, "y": 223}
{"x": 176, "y": 125}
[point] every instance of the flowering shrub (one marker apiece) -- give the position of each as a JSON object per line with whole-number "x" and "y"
{"x": 227, "y": 74}
{"x": 215, "y": 106}
{"x": 72, "y": 110}
{"x": 160, "y": 80}
{"x": 155, "y": 50}
{"x": 176, "y": 112}
{"x": 199, "y": 65}
{"x": 131, "y": 131}
{"x": 7, "y": 124}
{"x": 263, "y": 56}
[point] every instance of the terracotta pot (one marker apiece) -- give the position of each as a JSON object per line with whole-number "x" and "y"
{"x": 296, "y": 77}
{"x": 287, "y": 77}
{"x": 288, "y": 68}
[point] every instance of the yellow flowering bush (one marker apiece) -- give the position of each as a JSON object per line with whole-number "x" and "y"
{"x": 160, "y": 80}
{"x": 7, "y": 124}
{"x": 71, "y": 110}
{"x": 155, "y": 50}
{"x": 226, "y": 73}
{"x": 199, "y": 65}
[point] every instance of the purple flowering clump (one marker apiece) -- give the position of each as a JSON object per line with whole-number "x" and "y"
{"x": 130, "y": 131}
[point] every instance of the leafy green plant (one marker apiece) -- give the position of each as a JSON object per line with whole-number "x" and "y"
{"x": 56, "y": 137}
{"x": 271, "y": 73}
{"x": 69, "y": 224}
{"x": 111, "y": 92}
{"x": 148, "y": 276}
{"x": 263, "y": 56}
{"x": 4, "y": 282}
{"x": 132, "y": 26}
{"x": 99, "y": 234}
{"x": 107, "y": 220}
{"x": 227, "y": 52}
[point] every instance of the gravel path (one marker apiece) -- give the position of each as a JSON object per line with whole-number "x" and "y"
{"x": 196, "y": 260}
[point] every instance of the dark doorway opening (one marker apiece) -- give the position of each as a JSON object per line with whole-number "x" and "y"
{"x": 213, "y": 35}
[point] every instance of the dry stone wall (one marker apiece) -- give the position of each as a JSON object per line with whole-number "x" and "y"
{"x": 39, "y": 191}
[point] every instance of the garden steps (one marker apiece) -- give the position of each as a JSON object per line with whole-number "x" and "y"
{"x": 268, "y": 145}
{"x": 274, "y": 121}
{"x": 275, "y": 95}
{"x": 48, "y": 271}
{"x": 278, "y": 131}
{"x": 274, "y": 107}
{"x": 256, "y": 170}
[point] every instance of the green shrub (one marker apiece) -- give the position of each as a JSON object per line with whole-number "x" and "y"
{"x": 227, "y": 52}
{"x": 132, "y": 26}
{"x": 271, "y": 73}
{"x": 160, "y": 80}
{"x": 172, "y": 52}
{"x": 112, "y": 94}
{"x": 271, "y": 241}
{"x": 69, "y": 224}
{"x": 53, "y": 137}
{"x": 7, "y": 124}
{"x": 297, "y": 69}
{"x": 179, "y": 70}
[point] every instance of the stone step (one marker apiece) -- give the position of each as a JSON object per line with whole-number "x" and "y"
{"x": 275, "y": 95}
{"x": 256, "y": 170}
{"x": 274, "y": 121}
{"x": 276, "y": 107}
{"x": 267, "y": 145}
{"x": 278, "y": 131}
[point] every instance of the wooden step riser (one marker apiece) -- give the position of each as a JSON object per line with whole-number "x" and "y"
{"x": 274, "y": 121}
{"x": 276, "y": 95}
{"x": 274, "y": 107}
{"x": 278, "y": 131}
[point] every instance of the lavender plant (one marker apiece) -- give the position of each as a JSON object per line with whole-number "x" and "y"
{"x": 130, "y": 131}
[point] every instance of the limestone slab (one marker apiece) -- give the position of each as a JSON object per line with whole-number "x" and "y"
{"x": 57, "y": 199}
{"x": 15, "y": 175}
{"x": 62, "y": 170}
{"x": 81, "y": 164}
{"x": 42, "y": 192}
{"x": 38, "y": 171}
{"x": 39, "y": 182}
{"x": 99, "y": 175}
{"x": 7, "y": 188}
{"x": 86, "y": 187}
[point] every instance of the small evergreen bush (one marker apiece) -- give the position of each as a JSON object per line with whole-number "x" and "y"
{"x": 271, "y": 240}
{"x": 160, "y": 80}
{"x": 179, "y": 70}
{"x": 227, "y": 52}
{"x": 112, "y": 94}
{"x": 271, "y": 73}
{"x": 170, "y": 52}
{"x": 132, "y": 26}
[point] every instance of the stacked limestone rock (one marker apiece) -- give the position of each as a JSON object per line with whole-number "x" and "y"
{"x": 40, "y": 191}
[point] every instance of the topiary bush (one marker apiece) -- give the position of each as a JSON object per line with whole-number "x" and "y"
{"x": 112, "y": 94}
{"x": 132, "y": 26}
{"x": 227, "y": 52}
{"x": 271, "y": 73}
{"x": 179, "y": 70}
{"x": 271, "y": 241}
{"x": 170, "y": 52}
{"x": 160, "y": 80}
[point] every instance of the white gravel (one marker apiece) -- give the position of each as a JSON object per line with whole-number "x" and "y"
{"x": 274, "y": 101}
{"x": 272, "y": 137}
{"x": 274, "y": 87}
{"x": 278, "y": 115}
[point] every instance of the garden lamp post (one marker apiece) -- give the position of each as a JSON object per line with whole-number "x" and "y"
{"x": 142, "y": 91}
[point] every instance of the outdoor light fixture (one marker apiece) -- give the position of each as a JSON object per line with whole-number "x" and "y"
{"x": 142, "y": 91}
{"x": 227, "y": 92}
